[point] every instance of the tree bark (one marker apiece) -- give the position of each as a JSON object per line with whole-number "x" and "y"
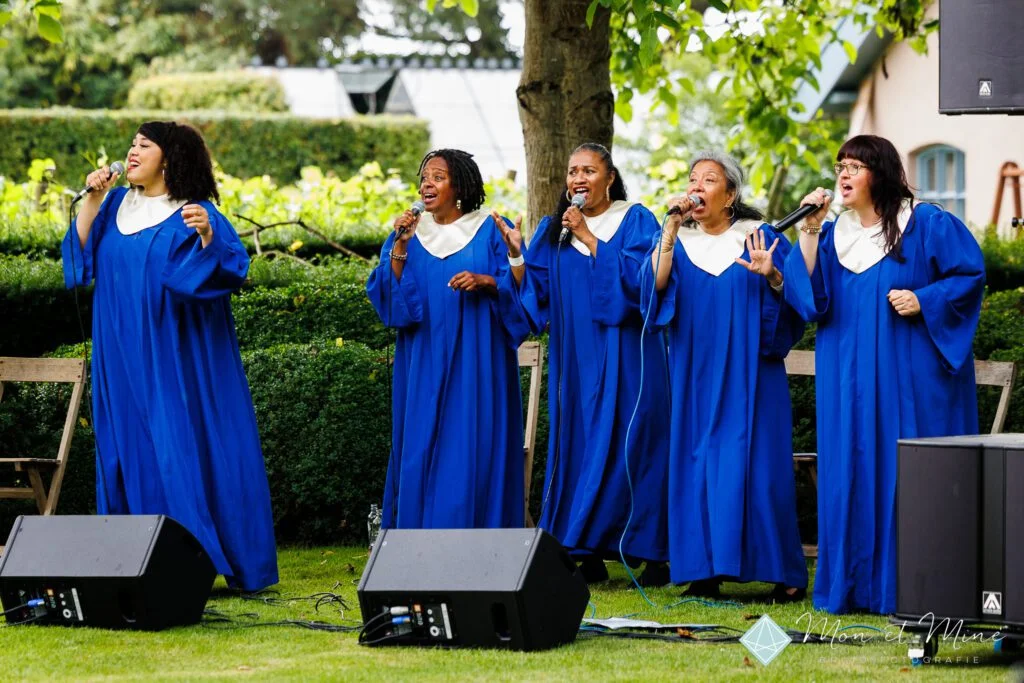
{"x": 565, "y": 94}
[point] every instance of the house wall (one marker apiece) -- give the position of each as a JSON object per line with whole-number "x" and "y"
{"x": 903, "y": 107}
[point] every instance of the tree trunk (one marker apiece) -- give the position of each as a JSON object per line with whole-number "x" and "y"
{"x": 565, "y": 94}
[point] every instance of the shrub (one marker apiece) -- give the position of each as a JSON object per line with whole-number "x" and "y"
{"x": 235, "y": 91}
{"x": 245, "y": 145}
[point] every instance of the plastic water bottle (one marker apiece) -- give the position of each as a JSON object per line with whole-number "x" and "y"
{"x": 373, "y": 524}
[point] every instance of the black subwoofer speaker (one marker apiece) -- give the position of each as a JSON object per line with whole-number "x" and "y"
{"x": 959, "y": 525}
{"x": 981, "y": 57}
{"x": 132, "y": 571}
{"x": 504, "y": 588}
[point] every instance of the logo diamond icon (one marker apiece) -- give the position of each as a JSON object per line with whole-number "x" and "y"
{"x": 765, "y": 640}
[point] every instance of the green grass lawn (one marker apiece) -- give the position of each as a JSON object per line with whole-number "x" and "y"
{"x": 291, "y": 653}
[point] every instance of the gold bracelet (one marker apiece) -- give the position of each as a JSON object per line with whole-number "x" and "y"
{"x": 398, "y": 257}
{"x": 810, "y": 229}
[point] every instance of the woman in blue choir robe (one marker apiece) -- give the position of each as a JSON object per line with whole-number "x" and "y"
{"x": 731, "y": 492}
{"x": 896, "y": 291}
{"x": 457, "y": 429}
{"x": 174, "y": 421}
{"x": 607, "y": 455}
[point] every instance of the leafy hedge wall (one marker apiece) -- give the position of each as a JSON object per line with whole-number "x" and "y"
{"x": 235, "y": 91}
{"x": 245, "y": 145}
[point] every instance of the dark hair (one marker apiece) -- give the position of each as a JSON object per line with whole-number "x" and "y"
{"x": 889, "y": 186}
{"x": 465, "y": 175}
{"x": 616, "y": 192}
{"x": 188, "y": 170}
{"x": 733, "y": 183}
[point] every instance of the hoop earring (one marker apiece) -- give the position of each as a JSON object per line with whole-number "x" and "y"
{"x": 732, "y": 211}
{"x": 567, "y": 195}
{"x": 458, "y": 205}
{"x": 608, "y": 193}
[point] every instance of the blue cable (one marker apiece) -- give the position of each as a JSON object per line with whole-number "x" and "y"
{"x": 636, "y": 408}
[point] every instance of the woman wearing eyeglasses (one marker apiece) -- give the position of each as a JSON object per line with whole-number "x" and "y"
{"x": 896, "y": 289}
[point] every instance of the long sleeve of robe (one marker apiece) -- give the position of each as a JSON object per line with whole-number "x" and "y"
{"x": 457, "y": 423}
{"x": 594, "y": 379}
{"x": 881, "y": 377}
{"x": 175, "y": 427}
{"x": 732, "y": 497}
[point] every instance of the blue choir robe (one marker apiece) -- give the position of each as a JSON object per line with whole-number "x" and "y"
{"x": 881, "y": 377}
{"x": 174, "y": 421}
{"x": 594, "y": 379}
{"x": 731, "y": 490}
{"x": 457, "y": 423}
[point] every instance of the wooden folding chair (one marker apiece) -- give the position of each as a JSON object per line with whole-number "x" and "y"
{"x": 986, "y": 373}
{"x": 70, "y": 370}
{"x": 531, "y": 355}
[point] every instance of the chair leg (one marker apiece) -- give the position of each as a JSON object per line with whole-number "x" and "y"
{"x": 37, "y": 488}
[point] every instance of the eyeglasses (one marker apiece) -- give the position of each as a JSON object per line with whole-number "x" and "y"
{"x": 851, "y": 168}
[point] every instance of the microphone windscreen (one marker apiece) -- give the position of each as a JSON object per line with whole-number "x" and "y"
{"x": 418, "y": 207}
{"x": 117, "y": 168}
{"x": 578, "y": 200}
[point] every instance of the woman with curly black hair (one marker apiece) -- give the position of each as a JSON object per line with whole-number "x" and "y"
{"x": 457, "y": 431}
{"x": 174, "y": 421}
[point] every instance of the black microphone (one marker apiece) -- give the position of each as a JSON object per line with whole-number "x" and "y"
{"x": 115, "y": 168}
{"x": 417, "y": 208}
{"x": 697, "y": 201}
{"x": 578, "y": 200}
{"x": 800, "y": 214}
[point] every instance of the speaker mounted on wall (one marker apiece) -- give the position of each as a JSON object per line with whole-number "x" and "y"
{"x": 981, "y": 57}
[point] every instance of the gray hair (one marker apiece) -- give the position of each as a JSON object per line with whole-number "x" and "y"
{"x": 733, "y": 172}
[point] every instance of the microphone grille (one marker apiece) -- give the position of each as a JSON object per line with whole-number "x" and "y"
{"x": 578, "y": 200}
{"x": 418, "y": 207}
{"x": 830, "y": 194}
{"x": 117, "y": 167}
{"x": 697, "y": 201}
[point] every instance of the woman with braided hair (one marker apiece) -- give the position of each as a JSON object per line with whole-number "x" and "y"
{"x": 457, "y": 432}
{"x": 174, "y": 421}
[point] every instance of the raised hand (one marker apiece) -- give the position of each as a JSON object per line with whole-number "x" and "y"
{"x": 405, "y": 226}
{"x": 760, "y": 258}
{"x": 101, "y": 180}
{"x": 685, "y": 206}
{"x": 816, "y": 198}
{"x": 512, "y": 237}
{"x": 196, "y": 217}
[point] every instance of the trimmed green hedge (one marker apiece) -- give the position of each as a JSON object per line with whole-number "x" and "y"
{"x": 284, "y": 301}
{"x": 235, "y": 91}
{"x": 245, "y": 145}
{"x": 323, "y": 424}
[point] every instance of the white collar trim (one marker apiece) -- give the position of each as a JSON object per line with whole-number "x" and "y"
{"x": 138, "y": 212}
{"x": 858, "y": 247}
{"x": 715, "y": 253}
{"x": 444, "y": 240}
{"x": 605, "y": 225}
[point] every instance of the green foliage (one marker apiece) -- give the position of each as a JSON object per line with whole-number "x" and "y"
{"x": 245, "y": 145}
{"x": 762, "y": 52}
{"x": 1004, "y": 261}
{"x": 46, "y": 13}
{"x": 300, "y": 313}
{"x": 357, "y": 212}
{"x": 235, "y": 91}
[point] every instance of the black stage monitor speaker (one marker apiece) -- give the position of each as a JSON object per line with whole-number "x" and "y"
{"x": 505, "y": 588}
{"x": 959, "y": 525}
{"x": 133, "y": 571}
{"x": 981, "y": 57}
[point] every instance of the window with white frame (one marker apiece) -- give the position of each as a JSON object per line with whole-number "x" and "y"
{"x": 940, "y": 177}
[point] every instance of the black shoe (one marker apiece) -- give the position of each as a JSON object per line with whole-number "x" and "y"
{"x": 594, "y": 570}
{"x": 655, "y": 575}
{"x": 780, "y": 594}
{"x": 705, "y": 588}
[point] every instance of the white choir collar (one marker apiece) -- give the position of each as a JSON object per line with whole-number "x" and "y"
{"x": 605, "y": 225}
{"x": 858, "y": 247}
{"x": 444, "y": 240}
{"x": 138, "y": 212}
{"x": 715, "y": 253}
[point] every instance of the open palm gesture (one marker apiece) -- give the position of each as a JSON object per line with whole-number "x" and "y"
{"x": 513, "y": 237}
{"x": 760, "y": 258}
